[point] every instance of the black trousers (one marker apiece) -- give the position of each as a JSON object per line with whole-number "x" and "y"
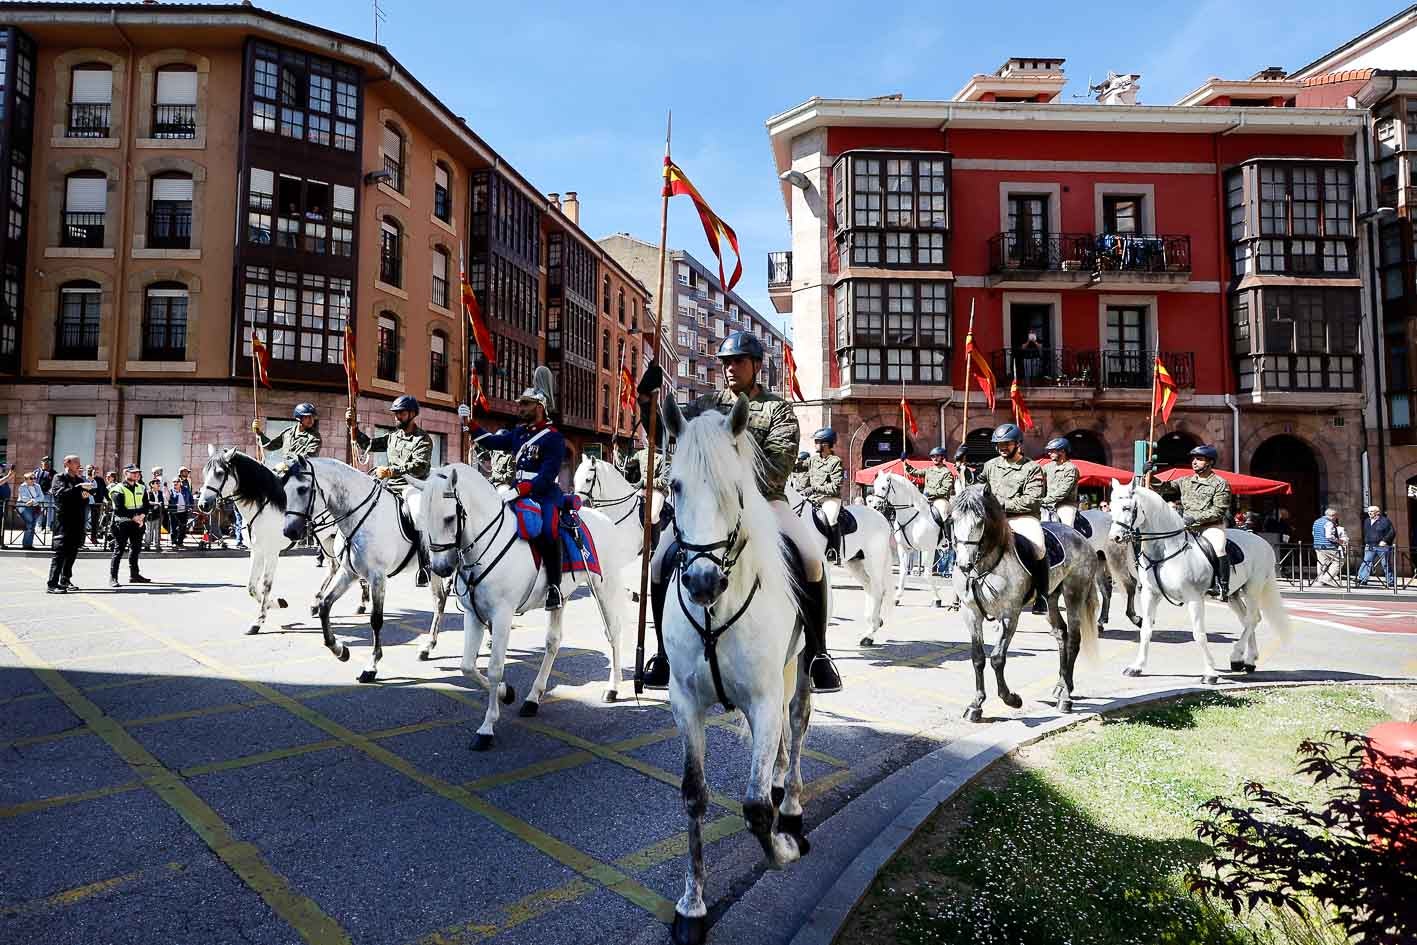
{"x": 127, "y": 535}
{"x": 66, "y": 549}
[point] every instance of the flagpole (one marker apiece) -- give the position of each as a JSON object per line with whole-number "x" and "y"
{"x": 1151, "y": 432}
{"x": 650, "y": 423}
{"x": 968, "y": 381}
{"x": 467, "y": 358}
{"x": 619, "y": 398}
{"x": 904, "y": 443}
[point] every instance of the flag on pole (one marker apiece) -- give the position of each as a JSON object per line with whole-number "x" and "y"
{"x": 789, "y": 371}
{"x": 261, "y": 356}
{"x": 479, "y": 398}
{"x": 1164, "y": 392}
{"x": 1021, "y": 415}
{"x": 676, "y": 183}
{"x": 351, "y": 371}
{"x": 908, "y": 417}
{"x": 977, "y": 369}
{"x": 480, "y": 332}
{"x": 627, "y": 388}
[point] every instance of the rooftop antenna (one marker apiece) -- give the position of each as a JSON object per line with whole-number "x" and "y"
{"x": 1090, "y": 90}
{"x": 379, "y": 17}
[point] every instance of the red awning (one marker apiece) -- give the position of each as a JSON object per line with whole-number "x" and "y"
{"x": 1239, "y": 484}
{"x": 1094, "y": 474}
{"x": 867, "y": 475}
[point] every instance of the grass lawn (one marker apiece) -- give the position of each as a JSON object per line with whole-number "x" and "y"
{"x": 1085, "y": 838}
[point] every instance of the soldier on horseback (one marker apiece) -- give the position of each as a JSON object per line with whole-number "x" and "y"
{"x": 825, "y": 476}
{"x": 537, "y": 449}
{"x": 774, "y": 427}
{"x": 294, "y": 442}
{"x": 409, "y": 451}
{"x": 634, "y": 472}
{"x": 1061, "y": 499}
{"x": 1205, "y": 507}
{"x": 798, "y": 479}
{"x": 939, "y": 486}
{"x": 1018, "y": 484}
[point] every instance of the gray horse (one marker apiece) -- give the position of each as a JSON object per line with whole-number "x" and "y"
{"x": 993, "y": 584}
{"x": 1118, "y": 566}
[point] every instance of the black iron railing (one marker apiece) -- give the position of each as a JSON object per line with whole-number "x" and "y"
{"x": 1090, "y": 368}
{"x": 395, "y": 169}
{"x": 1089, "y": 253}
{"x": 1134, "y": 369}
{"x": 174, "y": 121}
{"x": 170, "y": 228}
{"x": 390, "y": 268}
{"x": 779, "y": 268}
{"x": 82, "y": 230}
{"x": 89, "y": 120}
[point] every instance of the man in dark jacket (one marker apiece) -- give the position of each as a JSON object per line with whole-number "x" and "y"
{"x": 69, "y": 491}
{"x": 130, "y": 508}
{"x": 1378, "y": 538}
{"x": 44, "y": 478}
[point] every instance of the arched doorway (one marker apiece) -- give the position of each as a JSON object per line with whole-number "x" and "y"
{"x": 882, "y": 445}
{"x": 1289, "y": 459}
{"x": 1174, "y": 449}
{"x": 1086, "y": 444}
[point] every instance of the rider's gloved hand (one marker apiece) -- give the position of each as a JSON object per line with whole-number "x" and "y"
{"x": 256, "y": 426}
{"x": 1189, "y": 520}
{"x": 464, "y": 411}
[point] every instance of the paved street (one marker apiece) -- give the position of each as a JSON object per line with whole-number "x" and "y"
{"x": 166, "y": 778}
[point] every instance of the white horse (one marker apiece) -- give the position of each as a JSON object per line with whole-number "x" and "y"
{"x": 865, "y": 554}
{"x": 915, "y": 527}
{"x": 471, "y": 537}
{"x": 231, "y": 474}
{"x": 1172, "y": 565}
{"x": 601, "y": 486}
{"x": 733, "y": 636}
{"x": 362, "y": 519}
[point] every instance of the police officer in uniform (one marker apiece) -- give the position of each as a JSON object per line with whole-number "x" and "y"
{"x": 409, "y": 451}
{"x": 1205, "y": 507}
{"x": 130, "y": 508}
{"x": 1018, "y": 483}
{"x": 1061, "y": 499}
{"x": 939, "y": 485}
{"x": 825, "y": 477}
{"x": 798, "y": 479}
{"x": 295, "y": 442}
{"x": 774, "y": 426}
{"x": 538, "y": 449}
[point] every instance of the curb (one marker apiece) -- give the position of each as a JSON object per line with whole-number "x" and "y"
{"x": 88, "y": 551}
{"x": 850, "y": 847}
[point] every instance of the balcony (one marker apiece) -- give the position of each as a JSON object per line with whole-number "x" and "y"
{"x": 1089, "y": 260}
{"x": 172, "y": 122}
{"x": 170, "y": 228}
{"x": 1088, "y": 368}
{"x": 89, "y": 120}
{"x": 395, "y": 169}
{"x": 780, "y": 281}
{"x": 82, "y": 230}
{"x": 1316, "y": 373}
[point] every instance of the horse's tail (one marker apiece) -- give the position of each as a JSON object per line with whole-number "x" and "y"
{"x": 1272, "y": 608}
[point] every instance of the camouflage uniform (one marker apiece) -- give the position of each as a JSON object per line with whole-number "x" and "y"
{"x": 294, "y": 442}
{"x": 1205, "y": 503}
{"x": 1019, "y": 487}
{"x": 504, "y": 472}
{"x": 410, "y": 454}
{"x": 772, "y": 423}
{"x": 939, "y": 488}
{"x": 1061, "y": 499}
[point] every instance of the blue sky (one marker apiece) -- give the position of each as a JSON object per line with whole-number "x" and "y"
{"x": 574, "y": 94}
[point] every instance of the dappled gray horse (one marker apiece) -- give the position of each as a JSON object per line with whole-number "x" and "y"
{"x": 993, "y": 584}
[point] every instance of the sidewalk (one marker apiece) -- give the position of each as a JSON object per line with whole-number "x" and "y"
{"x": 1372, "y": 591}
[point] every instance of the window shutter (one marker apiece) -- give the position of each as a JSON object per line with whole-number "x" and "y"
{"x": 167, "y": 293}
{"x": 263, "y": 181}
{"x": 86, "y": 195}
{"x": 177, "y": 87}
{"x": 389, "y": 229}
{"x": 440, "y": 177}
{"x": 393, "y": 144}
{"x": 92, "y": 87}
{"x": 344, "y": 197}
{"x": 440, "y": 264}
{"x": 172, "y": 188}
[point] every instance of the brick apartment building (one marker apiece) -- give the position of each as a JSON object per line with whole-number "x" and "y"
{"x": 698, "y": 317}
{"x": 178, "y": 176}
{"x": 1221, "y": 234}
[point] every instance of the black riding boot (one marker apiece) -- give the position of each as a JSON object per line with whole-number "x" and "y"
{"x": 1038, "y": 567}
{"x": 422, "y": 579}
{"x": 820, "y": 666}
{"x": 657, "y": 669}
{"x": 833, "y": 544}
{"x": 551, "y": 560}
{"x": 1222, "y": 576}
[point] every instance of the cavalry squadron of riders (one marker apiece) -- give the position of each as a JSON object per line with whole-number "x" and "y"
{"x": 745, "y": 529}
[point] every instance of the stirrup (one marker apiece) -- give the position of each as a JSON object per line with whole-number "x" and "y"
{"x": 656, "y": 674}
{"x": 824, "y": 676}
{"x": 553, "y": 597}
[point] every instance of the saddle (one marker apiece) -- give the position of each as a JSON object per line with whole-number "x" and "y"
{"x": 844, "y": 521}
{"x": 1232, "y": 551}
{"x": 1052, "y": 546}
{"x": 578, "y": 551}
{"x": 1083, "y": 526}
{"x": 939, "y": 519}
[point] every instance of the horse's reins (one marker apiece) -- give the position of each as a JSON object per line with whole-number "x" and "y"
{"x": 329, "y": 520}
{"x": 1137, "y": 538}
{"x": 708, "y": 634}
{"x": 475, "y": 574}
{"x": 901, "y": 526}
{"x": 974, "y": 573}
{"x": 589, "y": 495}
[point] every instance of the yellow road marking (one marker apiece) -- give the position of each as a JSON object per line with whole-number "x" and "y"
{"x": 79, "y": 893}
{"x": 45, "y": 803}
{"x": 100, "y": 687}
{"x": 300, "y": 912}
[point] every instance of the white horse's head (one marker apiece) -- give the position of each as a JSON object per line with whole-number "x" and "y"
{"x": 880, "y": 495}
{"x": 1127, "y": 513}
{"x": 589, "y": 480}
{"x": 439, "y": 511}
{"x": 725, "y": 528}
{"x": 218, "y": 478}
{"x": 301, "y": 493}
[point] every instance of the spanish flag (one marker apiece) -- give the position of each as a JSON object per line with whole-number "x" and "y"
{"x": 627, "y": 388}
{"x": 261, "y": 359}
{"x": 480, "y": 332}
{"x": 977, "y": 369}
{"x": 677, "y": 184}
{"x": 908, "y": 417}
{"x": 479, "y": 398}
{"x": 351, "y": 371}
{"x": 1164, "y": 392}
{"x": 1021, "y": 415}
{"x": 789, "y": 371}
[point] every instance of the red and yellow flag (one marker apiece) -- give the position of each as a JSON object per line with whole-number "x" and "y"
{"x": 1021, "y": 415}
{"x": 351, "y": 371}
{"x": 908, "y": 417}
{"x": 789, "y": 371}
{"x": 677, "y": 184}
{"x": 627, "y": 388}
{"x": 479, "y": 399}
{"x": 261, "y": 358}
{"x": 1164, "y": 392}
{"x": 977, "y": 369}
{"x": 480, "y": 332}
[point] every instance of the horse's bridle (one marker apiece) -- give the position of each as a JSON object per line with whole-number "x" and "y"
{"x": 588, "y": 495}
{"x": 323, "y": 523}
{"x": 469, "y": 570}
{"x": 226, "y": 477}
{"x": 1137, "y": 537}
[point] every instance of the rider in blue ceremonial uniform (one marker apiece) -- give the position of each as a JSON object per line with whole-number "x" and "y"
{"x": 538, "y": 449}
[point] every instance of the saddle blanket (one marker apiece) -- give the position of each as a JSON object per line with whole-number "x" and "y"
{"x": 1083, "y": 525}
{"x": 1052, "y": 547}
{"x": 572, "y": 560}
{"x": 845, "y": 520}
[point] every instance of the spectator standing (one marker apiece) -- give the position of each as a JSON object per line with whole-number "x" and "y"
{"x": 70, "y": 493}
{"x": 97, "y": 498}
{"x": 31, "y": 507}
{"x": 1378, "y": 538}
{"x": 44, "y": 478}
{"x": 1327, "y": 548}
{"x": 179, "y": 504}
{"x": 130, "y": 509}
{"x": 157, "y": 510}
{"x": 7, "y": 476}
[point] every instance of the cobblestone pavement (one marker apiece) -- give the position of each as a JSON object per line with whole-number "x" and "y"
{"x": 165, "y": 778}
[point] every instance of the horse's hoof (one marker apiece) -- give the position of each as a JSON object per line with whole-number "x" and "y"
{"x": 939, "y": 603}
{"x": 1248, "y": 667}
{"x": 424, "y": 656}
{"x": 689, "y": 931}
{"x": 1131, "y": 671}
{"x": 361, "y": 609}
{"x": 481, "y": 742}
{"x": 314, "y": 610}
{"x": 1236, "y": 666}
{"x": 973, "y": 714}
{"x": 280, "y": 602}
{"x": 510, "y": 695}
{"x": 610, "y": 696}
{"x": 790, "y": 824}
{"x": 778, "y": 794}
{"x": 529, "y": 709}
{"x": 369, "y": 675}
{"x": 1065, "y": 706}
{"x": 344, "y": 653}
{"x": 634, "y": 597}
{"x": 1210, "y": 680}
{"x": 867, "y": 641}
{"x": 897, "y": 601}
{"x": 252, "y": 630}
{"x": 1136, "y": 622}
{"x": 1013, "y": 700}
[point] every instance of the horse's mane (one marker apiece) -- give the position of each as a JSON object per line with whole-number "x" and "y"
{"x": 977, "y": 501}
{"x": 256, "y": 484}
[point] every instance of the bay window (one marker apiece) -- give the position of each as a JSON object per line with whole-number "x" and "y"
{"x": 891, "y": 209}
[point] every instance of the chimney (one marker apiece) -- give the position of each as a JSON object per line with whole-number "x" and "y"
{"x": 555, "y": 199}
{"x": 571, "y": 207}
{"x": 1118, "y": 89}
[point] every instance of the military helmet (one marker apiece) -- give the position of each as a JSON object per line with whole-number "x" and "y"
{"x": 741, "y": 344}
{"x": 803, "y": 456}
{"x": 1059, "y": 443}
{"x": 406, "y": 402}
{"x": 1006, "y": 433}
{"x": 305, "y": 409}
{"x": 961, "y": 452}
{"x": 938, "y": 452}
{"x": 825, "y": 435}
{"x": 1206, "y": 451}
